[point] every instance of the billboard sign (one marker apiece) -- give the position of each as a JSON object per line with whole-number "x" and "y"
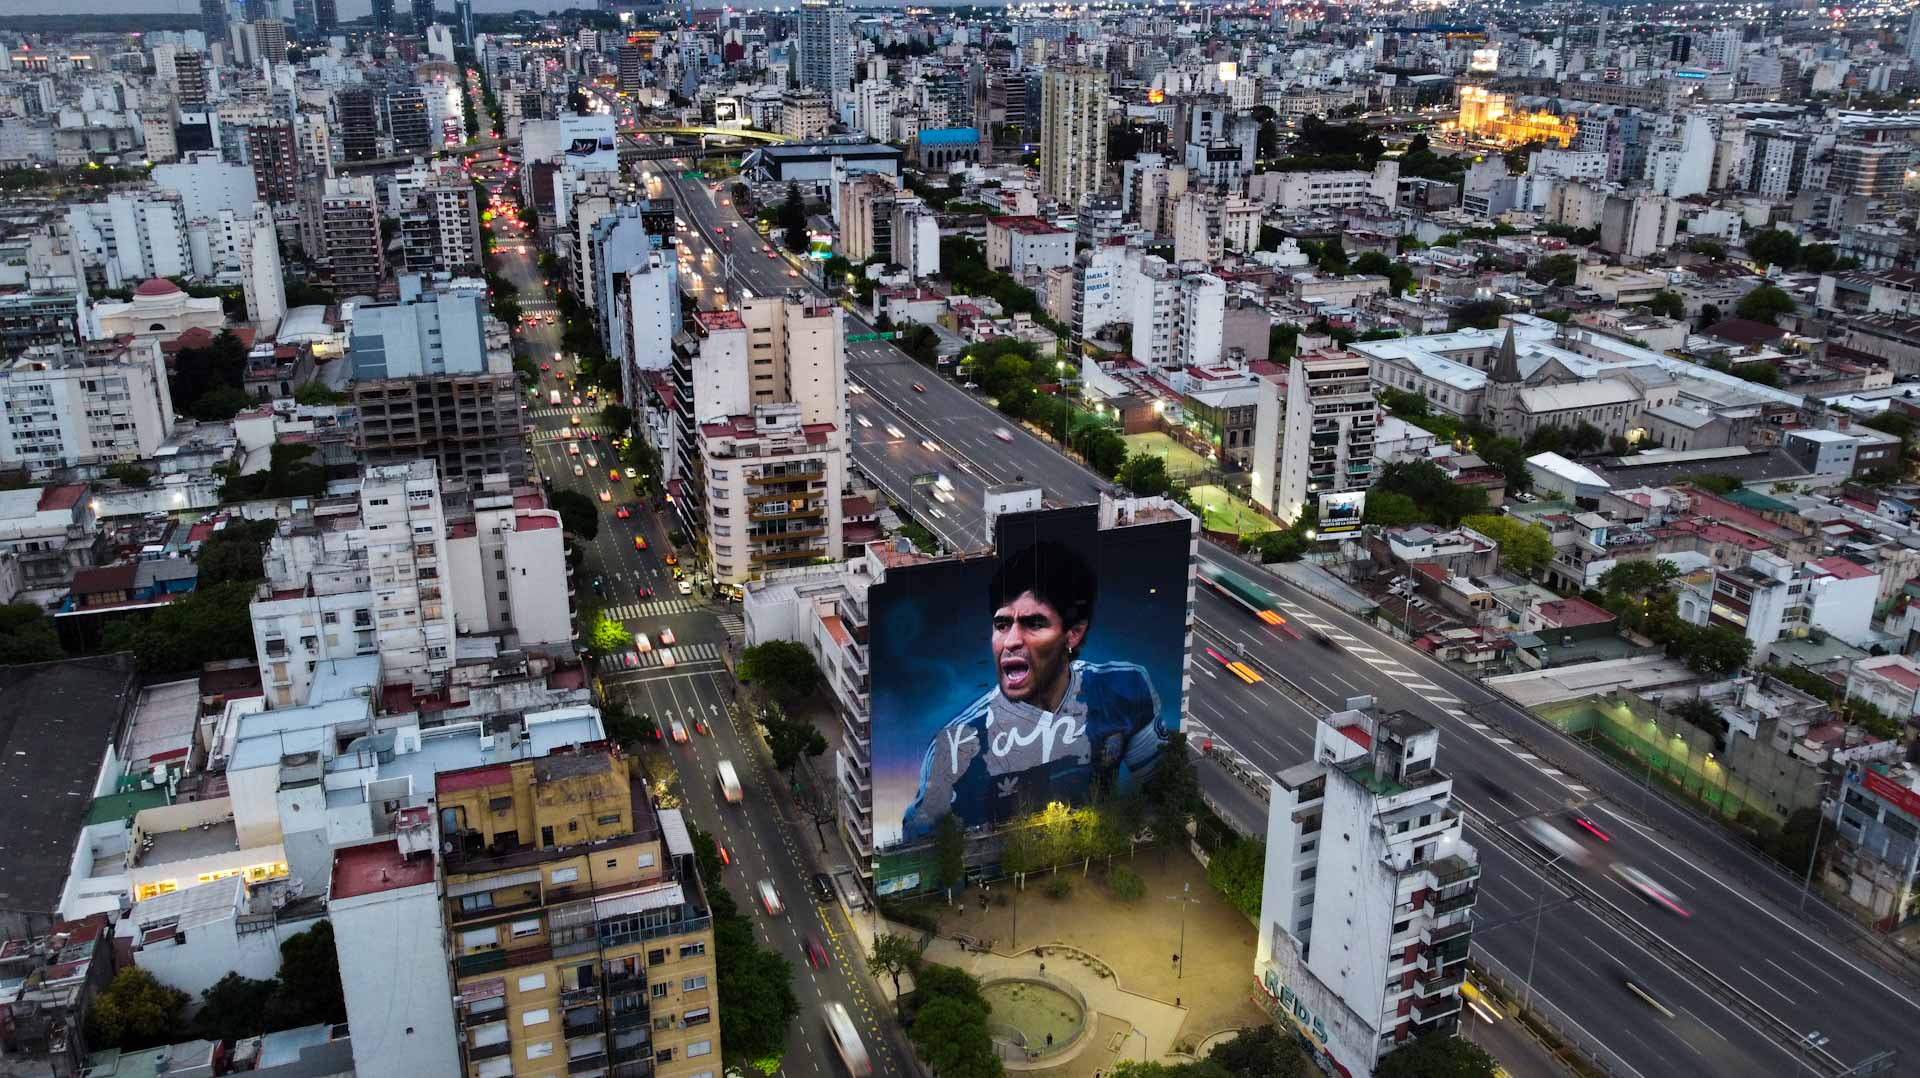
{"x": 1050, "y": 670}
{"x": 1891, "y": 792}
{"x": 1341, "y": 513}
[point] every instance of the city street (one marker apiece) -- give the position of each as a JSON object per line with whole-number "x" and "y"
{"x": 699, "y": 686}
{"x": 1733, "y": 1010}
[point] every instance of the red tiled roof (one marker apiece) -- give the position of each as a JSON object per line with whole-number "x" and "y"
{"x": 472, "y": 778}
{"x": 105, "y": 578}
{"x": 1573, "y": 611}
{"x": 1844, "y": 568}
{"x": 63, "y": 496}
{"x": 856, "y": 506}
{"x": 156, "y": 286}
{"x": 1032, "y": 226}
{"x": 376, "y": 867}
{"x": 532, "y": 522}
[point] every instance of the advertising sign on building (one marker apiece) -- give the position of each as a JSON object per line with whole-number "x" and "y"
{"x": 1341, "y": 513}
{"x": 1050, "y": 671}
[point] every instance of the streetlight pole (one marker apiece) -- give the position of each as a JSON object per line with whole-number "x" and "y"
{"x": 1539, "y": 914}
{"x": 1813, "y": 855}
{"x": 1185, "y": 898}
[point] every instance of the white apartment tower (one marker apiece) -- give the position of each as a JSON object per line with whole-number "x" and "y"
{"x": 261, "y": 281}
{"x": 1366, "y": 911}
{"x": 94, "y": 405}
{"x": 1313, "y": 431}
{"x": 826, "y": 46}
{"x": 1073, "y": 139}
{"x": 1178, "y": 314}
{"x": 407, "y": 567}
{"x": 758, "y": 438}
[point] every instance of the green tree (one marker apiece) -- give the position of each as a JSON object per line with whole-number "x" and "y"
{"x": 230, "y": 560}
{"x": 134, "y": 1011}
{"x": 1236, "y": 871}
{"x": 756, "y": 993}
{"x": 27, "y": 635}
{"x": 1559, "y": 270}
{"x": 1524, "y": 548}
{"x": 1818, "y": 258}
{"x": 1792, "y": 846}
{"x": 1173, "y": 790}
{"x": 309, "y": 982}
{"x": 1712, "y": 649}
{"x": 1437, "y": 1055}
{"x": 1386, "y": 509}
{"x": 1480, "y": 313}
{"x": 578, "y": 514}
{"x": 616, "y": 417}
{"x": 949, "y": 853}
{"x": 131, "y": 475}
{"x": 235, "y": 1007}
{"x": 219, "y": 403}
{"x": 624, "y": 727}
{"x": 1126, "y": 884}
{"x": 197, "y": 628}
{"x": 793, "y": 220}
{"x": 951, "y": 1035}
{"x": 1438, "y": 499}
{"x": 1774, "y": 247}
{"x": 893, "y": 955}
{"x": 1709, "y": 314}
{"x": 1145, "y": 474}
{"x": 1764, "y": 304}
{"x": 783, "y": 669}
{"x": 1405, "y": 404}
{"x": 1667, "y": 304}
{"x": 790, "y": 739}
{"x": 317, "y": 392}
{"x": 1643, "y": 576}
{"x": 1260, "y": 1052}
{"x": 607, "y": 635}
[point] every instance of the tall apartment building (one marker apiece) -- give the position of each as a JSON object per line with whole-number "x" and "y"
{"x": 1073, "y": 135}
{"x": 916, "y": 237}
{"x": 357, "y": 118}
{"x": 1178, "y": 314}
{"x": 826, "y": 46}
{"x": 1872, "y": 169}
{"x": 408, "y": 121}
{"x": 72, "y": 406}
{"x": 426, "y": 386}
{"x": 382, "y": 16}
{"x": 262, "y": 283}
{"x": 268, "y": 41}
{"x": 190, "y": 85}
{"x": 274, "y": 153}
{"x": 133, "y": 236}
{"x": 213, "y": 20}
{"x": 866, "y": 217}
{"x": 407, "y": 568}
{"x": 770, "y": 376}
{"x": 326, "y": 16}
{"x": 1313, "y": 431}
{"x": 632, "y": 64}
{"x": 346, "y": 218}
{"x": 1370, "y": 820}
{"x": 643, "y": 312}
{"x": 506, "y": 571}
{"x": 826, "y": 608}
{"x": 578, "y": 929}
{"x": 441, "y": 229}
{"x": 422, "y": 16}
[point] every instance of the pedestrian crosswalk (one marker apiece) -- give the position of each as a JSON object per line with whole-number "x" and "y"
{"x": 548, "y": 437}
{"x": 655, "y": 609}
{"x": 628, "y": 660}
{"x": 563, "y": 412}
{"x": 735, "y": 625}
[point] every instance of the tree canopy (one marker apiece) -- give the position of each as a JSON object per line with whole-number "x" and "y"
{"x": 1436, "y": 1055}
{"x": 783, "y": 669}
{"x": 27, "y": 635}
{"x": 199, "y": 627}
{"x": 578, "y": 515}
{"x": 1524, "y": 548}
{"x": 134, "y": 1011}
{"x": 1764, "y": 304}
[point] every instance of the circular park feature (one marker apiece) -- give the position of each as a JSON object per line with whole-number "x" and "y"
{"x": 1033, "y": 1018}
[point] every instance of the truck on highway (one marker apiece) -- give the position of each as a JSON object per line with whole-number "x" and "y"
{"x": 729, "y": 782}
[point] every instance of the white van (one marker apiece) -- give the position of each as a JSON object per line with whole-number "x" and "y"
{"x": 641, "y": 644}
{"x": 729, "y": 782}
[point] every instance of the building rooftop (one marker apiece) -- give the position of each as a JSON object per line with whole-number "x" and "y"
{"x": 59, "y": 720}
{"x": 376, "y": 867}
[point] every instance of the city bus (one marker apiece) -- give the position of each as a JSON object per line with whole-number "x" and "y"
{"x": 846, "y": 1040}
{"x": 1245, "y": 593}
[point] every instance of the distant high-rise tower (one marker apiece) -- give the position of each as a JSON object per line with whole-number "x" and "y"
{"x": 422, "y": 16}
{"x": 305, "y": 25}
{"x": 255, "y": 10}
{"x": 326, "y": 16}
{"x": 190, "y": 82}
{"x": 463, "y": 17}
{"x": 213, "y": 20}
{"x": 383, "y": 16}
{"x": 1073, "y": 133}
{"x": 1913, "y": 36}
{"x": 826, "y": 46}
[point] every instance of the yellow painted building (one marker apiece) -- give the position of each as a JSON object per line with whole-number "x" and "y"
{"x": 1492, "y": 119}
{"x": 580, "y": 935}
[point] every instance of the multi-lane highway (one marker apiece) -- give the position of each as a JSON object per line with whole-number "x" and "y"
{"x": 695, "y": 692}
{"x": 1734, "y": 985}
